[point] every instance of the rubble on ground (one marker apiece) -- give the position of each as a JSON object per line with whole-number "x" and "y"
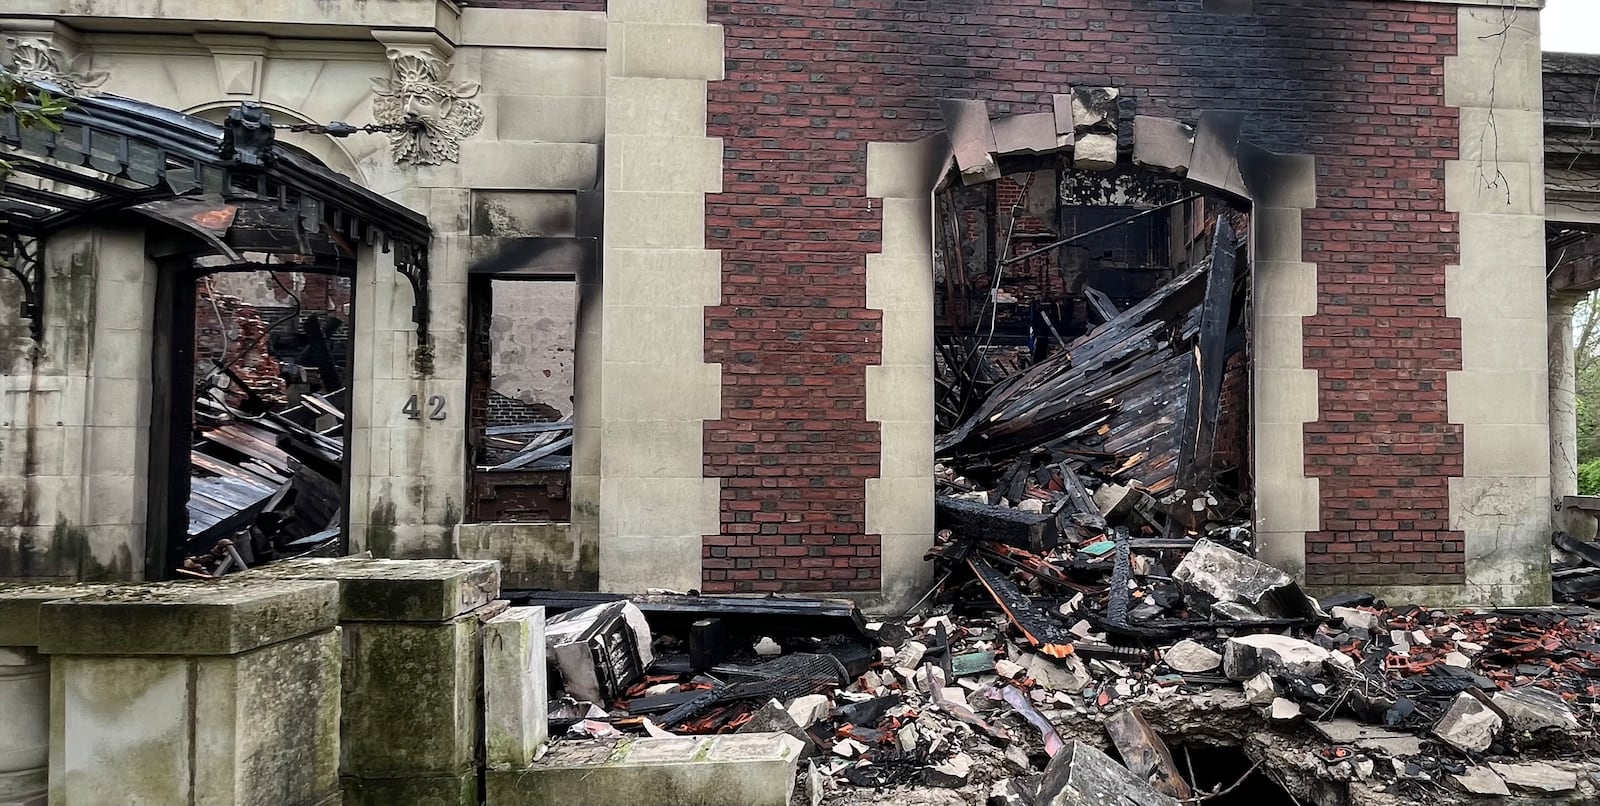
{"x": 1021, "y": 681}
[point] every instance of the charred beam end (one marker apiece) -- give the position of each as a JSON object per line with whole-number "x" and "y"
{"x": 1025, "y": 530}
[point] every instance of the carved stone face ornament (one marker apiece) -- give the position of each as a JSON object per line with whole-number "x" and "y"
{"x": 36, "y": 60}
{"x": 419, "y": 90}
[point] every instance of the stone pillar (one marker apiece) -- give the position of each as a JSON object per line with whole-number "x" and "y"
{"x": 75, "y": 414}
{"x": 1500, "y": 396}
{"x": 412, "y": 667}
{"x": 220, "y": 692}
{"x": 25, "y": 691}
{"x": 1563, "y": 399}
{"x": 25, "y": 713}
{"x": 516, "y": 694}
{"x": 656, "y": 389}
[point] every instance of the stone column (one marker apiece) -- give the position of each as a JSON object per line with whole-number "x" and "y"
{"x": 1563, "y": 402}
{"x": 25, "y": 713}
{"x": 224, "y": 692}
{"x": 25, "y": 691}
{"x": 412, "y": 671}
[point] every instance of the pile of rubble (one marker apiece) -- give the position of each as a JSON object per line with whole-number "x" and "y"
{"x": 1021, "y": 671}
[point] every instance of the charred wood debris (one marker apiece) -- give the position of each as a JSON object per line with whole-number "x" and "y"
{"x": 1097, "y": 616}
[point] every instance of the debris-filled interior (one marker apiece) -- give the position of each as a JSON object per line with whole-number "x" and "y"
{"x": 1098, "y": 629}
{"x": 523, "y": 360}
{"x": 1107, "y": 670}
{"x": 267, "y": 448}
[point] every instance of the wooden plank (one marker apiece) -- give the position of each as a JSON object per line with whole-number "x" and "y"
{"x": 218, "y": 467}
{"x": 1042, "y": 633}
{"x": 1101, "y": 304}
{"x": 237, "y": 439}
{"x": 526, "y": 428}
{"x": 529, "y": 457}
{"x": 320, "y": 405}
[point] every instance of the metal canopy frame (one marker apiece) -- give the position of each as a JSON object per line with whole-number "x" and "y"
{"x": 114, "y": 154}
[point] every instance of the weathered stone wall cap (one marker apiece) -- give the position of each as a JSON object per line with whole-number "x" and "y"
{"x": 398, "y": 590}
{"x": 187, "y": 618}
{"x": 19, "y": 608}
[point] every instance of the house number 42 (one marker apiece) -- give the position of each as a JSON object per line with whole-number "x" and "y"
{"x": 435, "y": 408}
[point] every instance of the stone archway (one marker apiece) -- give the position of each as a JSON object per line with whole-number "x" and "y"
{"x": 1212, "y": 154}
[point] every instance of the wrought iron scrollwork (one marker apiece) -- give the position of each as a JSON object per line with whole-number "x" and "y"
{"x": 19, "y": 256}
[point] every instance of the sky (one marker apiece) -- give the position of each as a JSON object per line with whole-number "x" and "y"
{"x": 1571, "y": 26}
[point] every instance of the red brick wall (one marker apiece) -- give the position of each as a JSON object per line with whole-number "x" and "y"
{"x": 809, "y": 84}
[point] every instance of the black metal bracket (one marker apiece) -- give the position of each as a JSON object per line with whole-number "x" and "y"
{"x": 20, "y": 257}
{"x": 412, "y": 262}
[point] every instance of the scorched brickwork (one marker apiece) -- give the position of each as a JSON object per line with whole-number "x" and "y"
{"x": 809, "y": 84}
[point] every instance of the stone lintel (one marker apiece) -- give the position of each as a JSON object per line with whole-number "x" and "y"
{"x": 19, "y": 609}
{"x": 398, "y": 590}
{"x": 187, "y": 618}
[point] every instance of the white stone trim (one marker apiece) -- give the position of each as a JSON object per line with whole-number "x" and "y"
{"x": 656, "y": 391}
{"x": 1502, "y": 502}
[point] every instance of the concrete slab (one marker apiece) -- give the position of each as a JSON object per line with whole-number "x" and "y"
{"x": 19, "y": 609}
{"x": 751, "y": 770}
{"x": 398, "y": 590}
{"x": 515, "y": 690}
{"x": 183, "y": 618}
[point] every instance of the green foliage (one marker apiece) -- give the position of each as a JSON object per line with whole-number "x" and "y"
{"x": 31, "y": 108}
{"x": 1589, "y": 478}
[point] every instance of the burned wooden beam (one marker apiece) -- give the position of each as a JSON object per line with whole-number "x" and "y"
{"x": 1042, "y": 633}
{"x": 1198, "y": 445}
{"x": 1035, "y": 531}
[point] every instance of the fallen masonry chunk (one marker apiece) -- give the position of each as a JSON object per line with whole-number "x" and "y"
{"x": 1008, "y": 669}
{"x": 1469, "y": 725}
{"x": 1530, "y": 708}
{"x": 1260, "y": 690}
{"x": 951, "y": 774}
{"x": 1066, "y": 674}
{"x": 1482, "y": 781}
{"x": 805, "y": 711}
{"x": 1191, "y": 657}
{"x": 773, "y": 718}
{"x": 1357, "y": 617}
{"x": 1213, "y": 574}
{"x": 1536, "y": 777}
{"x": 1284, "y": 710}
{"x": 1246, "y": 656}
{"x": 1083, "y": 776}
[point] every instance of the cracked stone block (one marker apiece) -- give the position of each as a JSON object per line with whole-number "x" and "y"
{"x": 1532, "y": 708}
{"x": 1080, "y": 775}
{"x": 398, "y": 590}
{"x": 756, "y": 769}
{"x": 1095, "y": 152}
{"x": 1482, "y": 781}
{"x": 1213, "y": 574}
{"x": 1469, "y": 725}
{"x": 1190, "y": 657}
{"x": 515, "y": 689}
{"x": 1162, "y": 145}
{"x": 1246, "y": 656}
{"x": 1536, "y": 777}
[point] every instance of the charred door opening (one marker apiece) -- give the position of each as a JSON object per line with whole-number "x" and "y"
{"x": 252, "y": 379}
{"x": 1092, "y": 349}
{"x": 521, "y": 353}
